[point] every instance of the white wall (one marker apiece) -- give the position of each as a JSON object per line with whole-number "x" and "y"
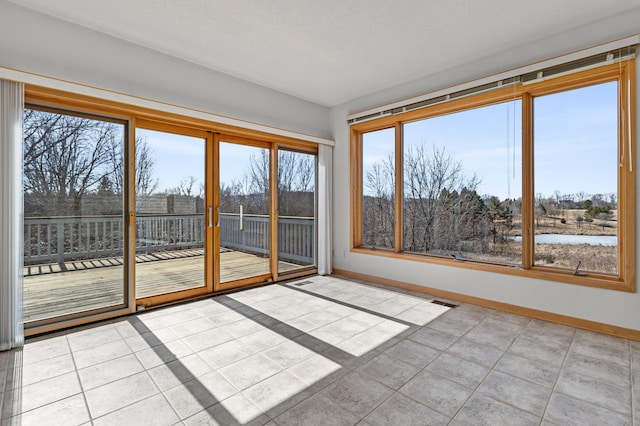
{"x": 605, "y": 306}
{"x": 37, "y": 43}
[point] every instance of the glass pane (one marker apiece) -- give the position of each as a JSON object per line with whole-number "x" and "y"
{"x": 170, "y": 228}
{"x": 378, "y": 188}
{"x": 462, "y": 184}
{"x": 244, "y": 211}
{"x": 73, "y": 214}
{"x": 576, "y": 179}
{"x": 297, "y": 210}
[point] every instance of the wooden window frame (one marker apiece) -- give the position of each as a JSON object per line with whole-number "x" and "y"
{"x": 357, "y": 223}
{"x": 622, "y": 72}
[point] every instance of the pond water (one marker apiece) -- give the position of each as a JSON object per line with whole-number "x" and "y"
{"x": 594, "y": 240}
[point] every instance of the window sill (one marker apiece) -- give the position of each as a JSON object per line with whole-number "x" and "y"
{"x": 537, "y": 272}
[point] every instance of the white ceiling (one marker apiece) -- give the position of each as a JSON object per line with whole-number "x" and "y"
{"x": 330, "y": 51}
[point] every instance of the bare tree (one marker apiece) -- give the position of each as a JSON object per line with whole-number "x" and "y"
{"x": 296, "y": 183}
{"x": 258, "y": 173}
{"x": 378, "y": 207}
{"x": 145, "y": 183}
{"x": 257, "y": 191}
{"x": 65, "y": 158}
{"x": 185, "y": 187}
{"x": 441, "y": 207}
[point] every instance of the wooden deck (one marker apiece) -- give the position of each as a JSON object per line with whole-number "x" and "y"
{"x": 49, "y": 292}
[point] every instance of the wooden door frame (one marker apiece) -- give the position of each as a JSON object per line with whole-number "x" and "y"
{"x": 166, "y": 298}
{"x": 269, "y": 277}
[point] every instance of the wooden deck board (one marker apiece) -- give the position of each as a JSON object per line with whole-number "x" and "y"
{"x": 99, "y": 283}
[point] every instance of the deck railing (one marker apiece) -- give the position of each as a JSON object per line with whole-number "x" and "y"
{"x": 62, "y": 239}
{"x": 296, "y": 236}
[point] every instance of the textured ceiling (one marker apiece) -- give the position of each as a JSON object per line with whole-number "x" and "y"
{"x": 330, "y": 51}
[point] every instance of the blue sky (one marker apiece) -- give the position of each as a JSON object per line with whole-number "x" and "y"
{"x": 575, "y": 146}
{"x": 235, "y": 161}
{"x": 177, "y": 157}
{"x": 576, "y": 135}
{"x": 575, "y": 140}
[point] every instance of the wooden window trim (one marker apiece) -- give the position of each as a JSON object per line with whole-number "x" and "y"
{"x": 44, "y": 96}
{"x": 357, "y": 174}
{"x": 622, "y": 72}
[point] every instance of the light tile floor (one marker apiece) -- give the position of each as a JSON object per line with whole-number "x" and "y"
{"x": 322, "y": 350}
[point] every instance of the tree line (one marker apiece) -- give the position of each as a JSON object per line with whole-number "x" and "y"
{"x": 296, "y": 186}
{"x": 443, "y": 212}
{"x": 72, "y": 162}
{"x": 68, "y": 158}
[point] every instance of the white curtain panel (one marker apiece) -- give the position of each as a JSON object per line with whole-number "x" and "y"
{"x": 11, "y": 110}
{"x": 325, "y": 174}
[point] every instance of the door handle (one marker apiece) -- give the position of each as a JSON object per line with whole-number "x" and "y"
{"x": 218, "y": 222}
{"x": 210, "y": 217}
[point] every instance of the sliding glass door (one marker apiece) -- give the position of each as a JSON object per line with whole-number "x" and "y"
{"x": 119, "y": 219}
{"x": 263, "y": 236}
{"x": 244, "y": 213}
{"x": 173, "y": 215}
{"x": 74, "y": 222}
{"x": 296, "y": 211}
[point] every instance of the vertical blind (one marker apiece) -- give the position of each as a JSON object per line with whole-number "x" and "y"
{"x": 11, "y": 111}
{"x": 325, "y": 160}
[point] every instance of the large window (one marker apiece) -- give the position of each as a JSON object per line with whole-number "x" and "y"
{"x": 378, "y": 188}
{"x": 462, "y": 184}
{"x": 576, "y": 179}
{"x": 534, "y": 179}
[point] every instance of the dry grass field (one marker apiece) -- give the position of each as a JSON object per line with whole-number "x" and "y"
{"x": 592, "y": 258}
{"x": 573, "y": 225}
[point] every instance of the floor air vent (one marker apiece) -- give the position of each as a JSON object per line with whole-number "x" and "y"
{"x": 301, "y": 283}
{"x": 447, "y": 304}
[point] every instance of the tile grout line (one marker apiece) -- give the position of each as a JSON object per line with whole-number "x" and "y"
{"x": 431, "y": 372}
{"x": 4, "y": 388}
{"x": 397, "y": 391}
{"x": 491, "y": 369}
{"x": 349, "y": 370}
{"x": 75, "y": 369}
{"x": 112, "y": 381}
{"x": 632, "y": 382}
{"x": 19, "y": 389}
{"x": 352, "y": 306}
{"x": 423, "y": 369}
{"x": 145, "y": 370}
{"x": 594, "y": 404}
{"x": 519, "y": 378}
{"x": 562, "y": 365}
{"x": 266, "y": 327}
{"x": 489, "y": 372}
{"x": 475, "y": 390}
